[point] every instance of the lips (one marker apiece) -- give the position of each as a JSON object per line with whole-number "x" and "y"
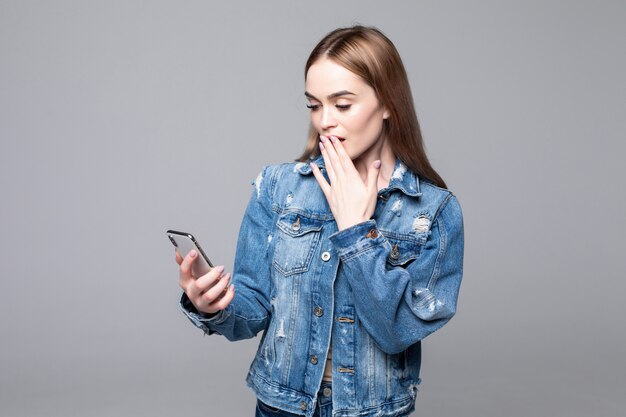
{"x": 341, "y": 139}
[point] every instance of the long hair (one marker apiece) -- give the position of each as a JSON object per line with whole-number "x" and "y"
{"x": 368, "y": 53}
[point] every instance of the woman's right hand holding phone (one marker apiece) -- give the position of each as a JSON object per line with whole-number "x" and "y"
{"x": 209, "y": 293}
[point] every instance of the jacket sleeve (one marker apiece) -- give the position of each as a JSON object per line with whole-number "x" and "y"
{"x": 400, "y": 306}
{"x": 249, "y": 311}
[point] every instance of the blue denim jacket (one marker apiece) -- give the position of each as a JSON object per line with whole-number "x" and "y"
{"x": 377, "y": 288}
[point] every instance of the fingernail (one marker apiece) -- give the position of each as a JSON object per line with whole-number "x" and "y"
{"x": 321, "y": 146}
{"x": 333, "y": 139}
{"x": 376, "y": 164}
{"x": 193, "y": 253}
{"x": 312, "y": 165}
{"x": 231, "y": 288}
{"x": 322, "y": 138}
{"x": 219, "y": 268}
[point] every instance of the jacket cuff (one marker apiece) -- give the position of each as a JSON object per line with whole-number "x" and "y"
{"x": 361, "y": 237}
{"x": 200, "y": 320}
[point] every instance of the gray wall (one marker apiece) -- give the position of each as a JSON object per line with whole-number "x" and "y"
{"x": 121, "y": 119}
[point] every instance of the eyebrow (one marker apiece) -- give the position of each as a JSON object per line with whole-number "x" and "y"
{"x": 333, "y": 95}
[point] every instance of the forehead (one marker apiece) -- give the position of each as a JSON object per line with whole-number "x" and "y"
{"x": 325, "y": 77}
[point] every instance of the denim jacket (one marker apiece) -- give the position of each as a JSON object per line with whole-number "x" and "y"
{"x": 375, "y": 289}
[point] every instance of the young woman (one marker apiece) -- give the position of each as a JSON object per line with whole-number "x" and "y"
{"x": 346, "y": 259}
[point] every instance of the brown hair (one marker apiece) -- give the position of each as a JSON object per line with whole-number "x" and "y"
{"x": 368, "y": 53}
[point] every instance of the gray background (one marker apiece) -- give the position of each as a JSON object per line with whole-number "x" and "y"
{"x": 119, "y": 120}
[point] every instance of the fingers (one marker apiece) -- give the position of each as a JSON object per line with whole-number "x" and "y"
{"x": 372, "y": 187}
{"x": 186, "y": 277}
{"x": 334, "y": 164}
{"x": 222, "y": 302}
{"x": 351, "y": 197}
{"x": 211, "y": 292}
{"x": 214, "y": 291}
{"x": 218, "y": 290}
{"x": 196, "y": 287}
{"x": 211, "y": 279}
{"x": 342, "y": 156}
{"x": 372, "y": 176}
{"x": 324, "y": 142}
{"x": 320, "y": 179}
{"x": 185, "y": 266}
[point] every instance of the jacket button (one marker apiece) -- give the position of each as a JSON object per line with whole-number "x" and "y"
{"x": 313, "y": 359}
{"x": 395, "y": 254}
{"x": 327, "y": 392}
{"x": 325, "y": 256}
{"x": 318, "y": 311}
{"x": 372, "y": 234}
{"x": 302, "y": 405}
{"x": 296, "y": 225}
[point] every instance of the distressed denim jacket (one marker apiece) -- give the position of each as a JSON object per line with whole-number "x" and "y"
{"x": 375, "y": 289}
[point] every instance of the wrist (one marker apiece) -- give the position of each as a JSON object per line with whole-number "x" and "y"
{"x": 348, "y": 224}
{"x": 208, "y": 315}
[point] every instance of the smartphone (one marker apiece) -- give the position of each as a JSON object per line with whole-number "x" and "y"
{"x": 184, "y": 243}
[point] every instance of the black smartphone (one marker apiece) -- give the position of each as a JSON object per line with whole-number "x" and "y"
{"x": 184, "y": 243}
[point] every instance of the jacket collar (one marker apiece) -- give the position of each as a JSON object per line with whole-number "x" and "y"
{"x": 402, "y": 178}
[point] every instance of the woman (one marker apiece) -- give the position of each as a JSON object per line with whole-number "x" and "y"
{"x": 347, "y": 259}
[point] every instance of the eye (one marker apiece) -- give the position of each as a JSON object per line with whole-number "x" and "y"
{"x": 342, "y": 107}
{"x": 313, "y": 107}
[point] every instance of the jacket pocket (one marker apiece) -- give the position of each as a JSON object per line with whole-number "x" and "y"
{"x": 297, "y": 238}
{"x": 404, "y": 248}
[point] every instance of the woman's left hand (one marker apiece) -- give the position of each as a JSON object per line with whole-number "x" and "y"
{"x": 351, "y": 199}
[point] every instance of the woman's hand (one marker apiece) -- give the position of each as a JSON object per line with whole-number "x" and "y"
{"x": 209, "y": 293}
{"x": 351, "y": 199}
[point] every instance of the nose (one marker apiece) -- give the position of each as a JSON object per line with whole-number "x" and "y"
{"x": 328, "y": 120}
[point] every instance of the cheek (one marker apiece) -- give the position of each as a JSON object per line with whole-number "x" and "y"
{"x": 369, "y": 124}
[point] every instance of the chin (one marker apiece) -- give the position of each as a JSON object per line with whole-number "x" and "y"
{"x": 354, "y": 155}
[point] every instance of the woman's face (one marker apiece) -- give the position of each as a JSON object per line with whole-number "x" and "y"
{"x": 343, "y": 105}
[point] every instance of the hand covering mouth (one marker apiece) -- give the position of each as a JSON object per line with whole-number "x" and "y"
{"x": 341, "y": 139}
